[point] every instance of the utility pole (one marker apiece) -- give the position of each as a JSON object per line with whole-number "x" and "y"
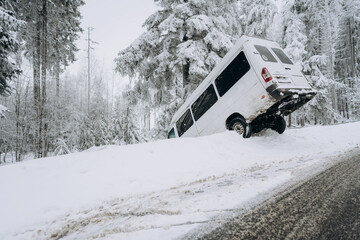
{"x": 89, "y": 77}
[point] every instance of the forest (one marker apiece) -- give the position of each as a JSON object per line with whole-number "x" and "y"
{"x": 45, "y": 112}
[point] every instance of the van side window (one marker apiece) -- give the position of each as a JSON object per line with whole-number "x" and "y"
{"x": 206, "y": 100}
{"x": 282, "y": 56}
{"x": 184, "y": 123}
{"x": 232, "y": 73}
{"x": 265, "y": 53}
{"x": 171, "y": 133}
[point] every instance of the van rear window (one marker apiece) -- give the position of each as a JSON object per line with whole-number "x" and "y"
{"x": 282, "y": 56}
{"x": 184, "y": 123}
{"x": 265, "y": 54}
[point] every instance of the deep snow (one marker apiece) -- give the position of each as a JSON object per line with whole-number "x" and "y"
{"x": 163, "y": 189}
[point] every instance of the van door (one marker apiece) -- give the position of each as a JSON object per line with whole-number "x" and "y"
{"x": 261, "y": 57}
{"x": 268, "y": 55}
{"x": 296, "y": 75}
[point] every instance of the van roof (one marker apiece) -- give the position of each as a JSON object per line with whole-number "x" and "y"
{"x": 233, "y": 52}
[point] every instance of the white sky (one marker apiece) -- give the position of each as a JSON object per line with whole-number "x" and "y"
{"x": 116, "y": 23}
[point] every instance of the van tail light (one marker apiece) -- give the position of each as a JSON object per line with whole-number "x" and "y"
{"x": 266, "y": 75}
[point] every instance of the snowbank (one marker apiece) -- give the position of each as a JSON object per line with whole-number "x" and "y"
{"x": 191, "y": 176}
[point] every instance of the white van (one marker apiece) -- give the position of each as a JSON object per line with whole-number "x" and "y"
{"x": 248, "y": 91}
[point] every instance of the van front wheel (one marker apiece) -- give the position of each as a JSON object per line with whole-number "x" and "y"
{"x": 241, "y": 127}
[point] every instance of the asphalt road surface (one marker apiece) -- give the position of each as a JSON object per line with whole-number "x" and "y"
{"x": 325, "y": 207}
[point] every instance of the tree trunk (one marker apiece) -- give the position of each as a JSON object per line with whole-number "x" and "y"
{"x": 37, "y": 90}
{"x": 17, "y": 114}
{"x": 25, "y": 126}
{"x": 89, "y": 78}
{"x": 347, "y": 108}
{"x": 333, "y": 100}
{"x": 186, "y": 68}
{"x": 302, "y": 121}
{"x": 149, "y": 119}
{"x": 289, "y": 120}
{"x": 57, "y": 105}
{"x": 352, "y": 51}
{"x": 44, "y": 123}
{"x": 126, "y": 133}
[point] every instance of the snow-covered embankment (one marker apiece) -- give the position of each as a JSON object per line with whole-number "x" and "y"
{"x": 160, "y": 189}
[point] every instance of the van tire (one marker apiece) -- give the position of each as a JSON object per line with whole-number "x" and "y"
{"x": 241, "y": 127}
{"x": 280, "y": 124}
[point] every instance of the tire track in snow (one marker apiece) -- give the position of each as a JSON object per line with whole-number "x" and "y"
{"x": 112, "y": 217}
{"x": 135, "y": 213}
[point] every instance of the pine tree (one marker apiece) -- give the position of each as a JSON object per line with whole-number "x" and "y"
{"x": 125, "y": 121}
{"x": 319, "y": 110}
{"x": 294, "y": 37}
{"x": 9, "y": 45}
{"x": 183, "y": 42}
{"x": 50, "y": 33}
{"x": 65, "y": 31}
{"x": 346, "y": 62}
{"x": 257, "y": 17}
{"x": 347, "y": 57}
{"x": 316, "y": 25}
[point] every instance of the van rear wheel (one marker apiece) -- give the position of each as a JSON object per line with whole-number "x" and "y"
{"x": 280, "y": 124}
{"x": 241, "y": 127}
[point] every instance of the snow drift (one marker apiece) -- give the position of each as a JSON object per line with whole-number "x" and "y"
{"x": 177, "y": 181}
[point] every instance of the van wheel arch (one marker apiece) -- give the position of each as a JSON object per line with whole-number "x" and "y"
{"x": 231, "y": 117}
{"x": 236, "y": 122}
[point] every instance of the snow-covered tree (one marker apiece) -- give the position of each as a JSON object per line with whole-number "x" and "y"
{"x": 320, "y": 109}
{"x": 294, "y": 37}
{"x": 347, "y": 57}
{"x": 8, "y": 44}
{"x": 257, "y": 16}
{"x": 183, "y": 42}
{"x": 125, "y": 121}
{"x": 2, "y": 111}
{"x": 50, "y": 33}
{"x": 65, "y": 29}
{"x": 347, "y": 41}
{"x": 310, "y": 30}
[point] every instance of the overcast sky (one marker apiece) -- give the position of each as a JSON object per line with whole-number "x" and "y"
{"x": 116, "y": 23}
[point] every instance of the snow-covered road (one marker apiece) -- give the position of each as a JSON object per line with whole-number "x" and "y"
{"x": 164, "y": 189}
{"x": 327, "y": 206}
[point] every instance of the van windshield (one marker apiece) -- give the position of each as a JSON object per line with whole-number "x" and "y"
{"x": 282, "y": 56}
{"x": 171, "y": 134}
{"x": 265, "y": 54}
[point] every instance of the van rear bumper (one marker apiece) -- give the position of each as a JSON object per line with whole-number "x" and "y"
{"x": 290, "y": 99}
{"x": 279, "y": 93}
